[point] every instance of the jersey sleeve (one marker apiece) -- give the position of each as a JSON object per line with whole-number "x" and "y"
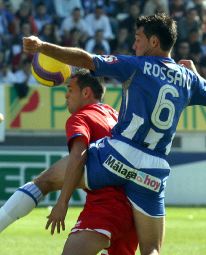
{"x": 119, "y": 67}
{"x": 77, "y": 126}
{"x": 199, "y": 92}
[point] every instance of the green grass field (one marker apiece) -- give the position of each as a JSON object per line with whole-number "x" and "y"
{"x": 185, "y": 233}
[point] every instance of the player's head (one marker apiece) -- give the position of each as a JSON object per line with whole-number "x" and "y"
{"x": 155, "y": 35}
{"x": 83, "y": 89}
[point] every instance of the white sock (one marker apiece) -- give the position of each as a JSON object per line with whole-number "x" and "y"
{"x": 23, "y": 201}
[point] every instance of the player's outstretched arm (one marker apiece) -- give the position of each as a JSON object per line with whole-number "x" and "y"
{"x": 73, "y": 176}
{"x": 68, "y": 55}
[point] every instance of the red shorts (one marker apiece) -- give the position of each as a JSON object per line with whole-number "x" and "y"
{"x": 125, "y": 245}
{"x": 112, "y": 218}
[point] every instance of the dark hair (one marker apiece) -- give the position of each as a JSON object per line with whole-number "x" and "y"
{"x": 85, "y": 79}
{"x": 160, "y": 25}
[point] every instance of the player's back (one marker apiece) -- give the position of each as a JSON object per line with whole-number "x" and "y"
{"x": 154, "y": 97}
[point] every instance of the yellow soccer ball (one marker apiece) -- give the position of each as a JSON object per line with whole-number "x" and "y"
{"x": 49, "y": 71}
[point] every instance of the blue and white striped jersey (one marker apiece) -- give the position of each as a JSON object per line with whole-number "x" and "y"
{"x": 155, "y": 92}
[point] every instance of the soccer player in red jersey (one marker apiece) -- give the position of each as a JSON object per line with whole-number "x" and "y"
{"x": 89, "y": 122}
{"x": 98, "y": 226}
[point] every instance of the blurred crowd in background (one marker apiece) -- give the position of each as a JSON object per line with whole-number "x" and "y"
{"x": 101, "y": 27}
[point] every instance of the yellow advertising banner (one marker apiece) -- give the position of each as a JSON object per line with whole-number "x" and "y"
{"x": 45, "y": 109}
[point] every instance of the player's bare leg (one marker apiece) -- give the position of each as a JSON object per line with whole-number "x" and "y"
{"x": 150, "y": 233}
{"x": 52, "y": 178}
{"x": 85, "y": 243}
{"x": 27, "y": 197}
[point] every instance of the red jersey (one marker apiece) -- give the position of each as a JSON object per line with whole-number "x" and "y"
{"x": 84, "y": 122}
{"x": 93, "y": 122}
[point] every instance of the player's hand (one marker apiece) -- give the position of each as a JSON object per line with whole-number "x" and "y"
{"x": 57, "y": 217}
{"x": 188, "y": 64}
{"x": 31, "y": 44}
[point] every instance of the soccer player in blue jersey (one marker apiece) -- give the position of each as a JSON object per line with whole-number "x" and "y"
{"x": 155, "y": 92}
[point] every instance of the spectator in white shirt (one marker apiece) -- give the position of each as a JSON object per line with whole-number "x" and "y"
{"x": 74, "y": 21}
{"x": 99, "y": 20}
{"x": 41, "y": 18}
{"x": 63, "y": 8}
